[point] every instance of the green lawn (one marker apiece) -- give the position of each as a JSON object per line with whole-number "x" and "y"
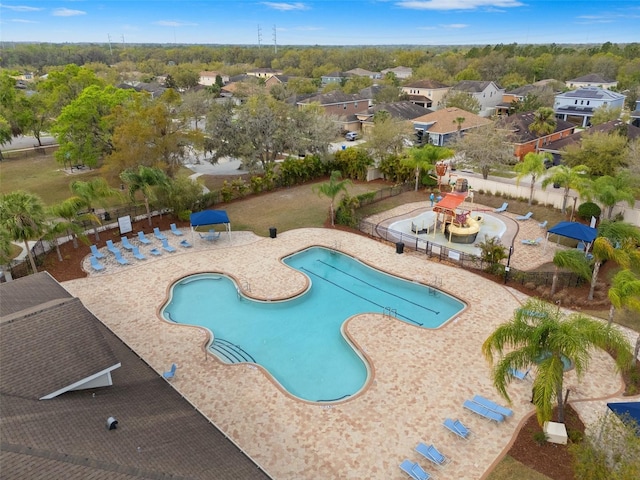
{"x": 509, "y": 468}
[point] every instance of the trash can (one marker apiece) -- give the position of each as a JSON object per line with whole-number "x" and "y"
{"x": 399, "y": 247}
{"x": 273, "y": 231}
{"x": 107, "y": 216}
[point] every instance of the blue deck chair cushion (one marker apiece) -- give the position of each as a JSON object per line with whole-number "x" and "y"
{"x": 121, "y": 260}
{"x": 111, "y": 247}
{"x": 95, "y": 264}
{"x": 166, "y": 246}
{"x": 95, "y": 252}
{"x": 456, "y": 427}
{"x": 414, "y": 470}
{"x": 125, "y": 243}
{"x": 143, "y": 239}
{"x": 137, "y": 254}
{"x": 483, "y": 411}
{"x": 175, "y": 230}
{"x": 158, "y": 234}
{"x": 432, "y": 454}
{"x": 171, "y": 373}
{"x": 491, "y": 405}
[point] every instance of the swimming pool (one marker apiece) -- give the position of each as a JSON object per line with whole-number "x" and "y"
{"x": 300, "y": 341}
{"x": 490, "y": 227}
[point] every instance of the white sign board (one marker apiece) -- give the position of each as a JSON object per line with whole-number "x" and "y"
{"x": 125, "y": 224}
{"x": 593, "y": 222}
{"x": 454, "y": 255}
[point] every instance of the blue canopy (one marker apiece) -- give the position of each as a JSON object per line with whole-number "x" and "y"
{"x": 209, "y": 217}
{"x": 627, "y": 411}
{"x": 575, "y": 230}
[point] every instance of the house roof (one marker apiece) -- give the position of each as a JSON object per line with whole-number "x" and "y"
{"x": 431, "y": 84}
{"x": 402, "y": 110}
{"x": 519, "y": 124}
{"x": 632, "y": 133}
{"x": 592, "y": 93}
{"x": 336, "y": 75}
{"x": 472, "y": 86}
{"x": 332, "y": 98}
{"x": 398, "y": 69}
{"x": 159, "y": 434}
{"x": 591, "y": 78}
{"x": 361, "y": 72}
{"x": 444, "y": 120}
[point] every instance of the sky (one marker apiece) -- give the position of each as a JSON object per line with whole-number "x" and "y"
{"x": 321, "y": 22}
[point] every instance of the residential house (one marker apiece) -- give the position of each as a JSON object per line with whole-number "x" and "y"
{"x": 404, "y": 111}
{"x": 426, "y": 93}
{"x": 277, "y": 80}
{"x": 440, "y": 126}
{"x": 578, "y": 106}
{"x": 518, "y": 95}
{"x": 209, "y": 78}
{"x": 361, "y": 72}
{"x": 66, "y": 378}
{"x": 344, "y": 106}
{"x": 264, "y": 73}
{"x": 334, "y": 77}
{"x": 524, "y": 140}
{"x": 488, "y": 94}
{"x": 153, "y": 89}
{"x": 400, "y": 72}
{"x": 592, "y": 80}
{"x": 635, "y": 115}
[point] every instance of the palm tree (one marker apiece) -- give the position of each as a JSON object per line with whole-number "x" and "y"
{"x": 568, "y": 178}
{"x": 425, "y": 158}
{"x": 573, "y": 260}
{"x": 332, "y": 189}
{"x": 96, "y": 190}
{"x": 458, "y": 121}
{"x": 22, "y": 215}
{"x": 540, "y": 334}
{"x": 624, "y": 292}
{"x": 533, "y": 165}
{"x": 63, "y": 221}
{"x": 544, "y": 123}
{"x": 611, "y": 190}
{"x": 616, "y": 241}
{"x": 144, "y": 180}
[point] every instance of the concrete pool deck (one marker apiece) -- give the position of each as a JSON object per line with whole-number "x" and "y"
{"x": 419, "y": 376}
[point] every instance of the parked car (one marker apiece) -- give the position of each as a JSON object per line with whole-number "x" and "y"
{"x": 351, "y": 136}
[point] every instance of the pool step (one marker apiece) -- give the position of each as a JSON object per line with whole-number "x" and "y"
{"x": 229, "y": 352}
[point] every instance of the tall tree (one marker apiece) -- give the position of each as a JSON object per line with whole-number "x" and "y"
{"x": 463, "y": 101}
{"x": 568, "y": 178}
{"x": 540, "y": 335}
{"x": 387, "y": 137}
{"x": 573, "y": 260}
{"x": 65, "y": 84}
{"x": 64, "y": 218}
{"x": 331, "y": 190}
{"x": 624, "y": 292}
{"x": 605, "y": 114}
{"x": 485, "y": 148}
{"x": 532, "y": 166}
{"x": 145, "y": 180}
{"x": 422, "y": 159}
{"x": 23, "y": 216}
{"x": 603, "y": 153}
{"x": 611, "y": 190}
{"x": 544, "y": 123}
{"x": 92, "y": 192}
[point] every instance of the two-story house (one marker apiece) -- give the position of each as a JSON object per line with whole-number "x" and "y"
{"x": 577, "y": 106}
{"x": 264, "y": 73}
{"x": 343, "y": 106}
{"x": 361, "y": 72}
{"x": 440, "y": 126}
{"x": 426, "y": 93}
{"x": 635, "y": 115}
{"x": 209, "y": 78}
{"x": 334, "y": 77}
{"x": 402, "y": 111}
{"x": 592, "y": 80}
{"x": 400, "y": 72}
{"x": 488, "y": 94}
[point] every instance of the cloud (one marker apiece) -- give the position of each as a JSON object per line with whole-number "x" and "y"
{"x": 171, "y": 23}
{"x": 66, "y": 12}
{"x": 457, "y": 4}
{"x": 286, "y": 7}
{"x": 455, "y": 25}
{"x": 20, "y": 20}
{"x": 20, "y": 8}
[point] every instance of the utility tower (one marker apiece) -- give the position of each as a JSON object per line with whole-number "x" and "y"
{"x": 259, "y": 36}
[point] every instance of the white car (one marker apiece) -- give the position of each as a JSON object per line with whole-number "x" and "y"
{"x": 351, "y": 136}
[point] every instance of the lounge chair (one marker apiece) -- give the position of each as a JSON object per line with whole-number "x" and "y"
{"x": 491, "y": 405}
{"x": 185, "y": 244}
{"x": 143, "y": 239}
{"x": 211, "y": 236}
{"x": 175, "y": 230}
{"x": 432, "y": 454}
{"x": 158, "y": 234}
{"x": 121, "y": 260}
{"x": 155, "y": 251}
{"x": 414, "y": 470}
{"x": 503, "y": 208}
{"x": 126, "y": 244}
{"x": 95, "y": 264}
{"x": 533, "y": 243}
{"x": 543, "y": 224}
{"x": 171, "y": 373}
{"x": 137, "y": 254}
{"x": 525, "y": 217}
{"x": 111, "y": 247}
{"x": 95, "y": 252}
{"x": 520, "y": 375}
{"x": 457, "y": 427}
{"x": 483, "y": 411}
{"x": 166, "y": 246}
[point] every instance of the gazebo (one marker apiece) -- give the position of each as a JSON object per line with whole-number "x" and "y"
{"x": 575, "y": 230}
{"x": 211, "y": 217}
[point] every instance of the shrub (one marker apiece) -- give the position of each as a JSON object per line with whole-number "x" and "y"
{"x": 588, "y": 210}
{"x": 540, "y": 437}
{"x": 184, "y": 215}
{"x": 576, "y": 436}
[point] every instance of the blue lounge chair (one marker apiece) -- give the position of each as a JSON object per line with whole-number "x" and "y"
{"x": 155, "y": 251}
{"x": 95, "y": 264}
{"x": 143, "y": 239}
{"x": 185, "y": 244}
{"x": 171, "y": 373}
{"x": 457, "y": 427}
{"x": 525, "y": 217}
{"x": 543, "y": 224}
{"x": 518, "y": 374}
{"x": 121, "y": 260}
{"x": 491, "y": 405}
{"x": 95, "y": 252}
{"x": 211, "y": 236}
{"x": 414, "y": 470}
{"x": 503, "y": 208}
{"x": 175, "y": 230}
{"x": 166, "y": 246}
{"x": 137, "y": 254}
{"x": 483, "y": 411}
{"x": 125, "y": 243}
{"x": 111, "y": 247}
{"x": 158, "y": 234}
{"x": 534, "y": 243}
{"x": 432, "y": 454}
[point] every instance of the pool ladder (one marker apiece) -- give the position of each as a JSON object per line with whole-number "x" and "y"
{"x": 245, "y": 287}
{"x": 390, "y": 312}
{"x": 435, "y": 286}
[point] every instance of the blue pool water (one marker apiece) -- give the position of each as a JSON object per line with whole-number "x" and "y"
{"x": 299, "y": 341}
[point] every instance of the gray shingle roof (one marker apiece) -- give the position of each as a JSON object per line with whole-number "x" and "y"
{"x": 519, "y": 125}
{"x": 592, "y": 78}
{"x": 29, "y": 292}
{"x": 471, "y": 86}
